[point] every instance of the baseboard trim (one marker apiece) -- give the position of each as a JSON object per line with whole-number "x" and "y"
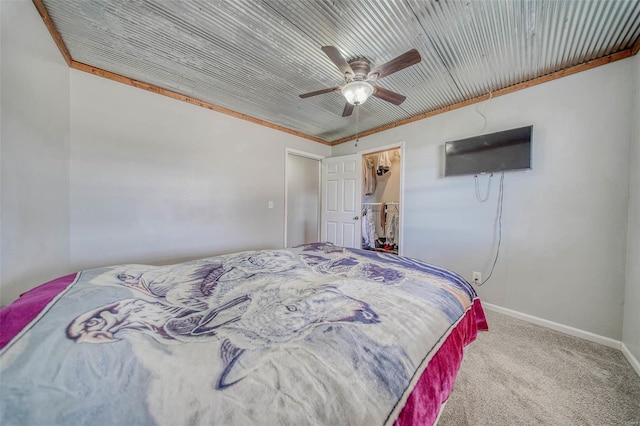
{"x": 632, "y": 360}
{"x": 575, "y": 332}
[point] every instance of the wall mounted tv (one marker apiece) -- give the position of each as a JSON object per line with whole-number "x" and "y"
{"x": 495, "y": 152}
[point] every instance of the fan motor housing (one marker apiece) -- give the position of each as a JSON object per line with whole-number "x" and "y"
{"x": 361, "y": 68}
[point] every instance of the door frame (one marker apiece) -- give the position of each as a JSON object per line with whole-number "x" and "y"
{"x": 318, "y": 158}
{"x": 396, "y": 145}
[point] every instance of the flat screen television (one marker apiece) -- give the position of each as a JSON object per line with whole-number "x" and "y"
{"x": 494, "y": 152}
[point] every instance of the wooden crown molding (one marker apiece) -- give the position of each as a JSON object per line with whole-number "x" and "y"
{"x": 636, "y": 47}
{"x": 52, "y": 30}
{"x": 150, "y": 87}
{"x": 516, "y": 87}
{"x": 174, "y": 95}
{"x": 158, "y": 90}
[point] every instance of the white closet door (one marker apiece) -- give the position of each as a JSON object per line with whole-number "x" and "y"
{"x": 341, "y": 199}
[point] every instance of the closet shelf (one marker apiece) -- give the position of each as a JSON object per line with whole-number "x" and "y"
{"x": 379, "y": 204}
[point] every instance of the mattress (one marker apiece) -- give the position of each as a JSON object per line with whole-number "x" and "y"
{"x": 317, "y": 334}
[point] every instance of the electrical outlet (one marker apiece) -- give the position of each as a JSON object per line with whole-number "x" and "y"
{"x": 477, "y": 277}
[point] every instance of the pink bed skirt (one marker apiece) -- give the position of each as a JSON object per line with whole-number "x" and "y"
{"x": 436, "y": 383}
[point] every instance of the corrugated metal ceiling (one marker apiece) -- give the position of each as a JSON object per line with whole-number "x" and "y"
{"x": 255, "y": 57}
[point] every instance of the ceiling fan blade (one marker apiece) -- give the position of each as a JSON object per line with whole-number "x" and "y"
{"x": 320, "y": 92}
{"x": 348, "y": 110}
{"x": 337, "y": 58}
{"x": 403, "y": 61}
{"x": 388, "y": 95}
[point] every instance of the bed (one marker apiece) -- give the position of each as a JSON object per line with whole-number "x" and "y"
{"x": 317, "y": 334}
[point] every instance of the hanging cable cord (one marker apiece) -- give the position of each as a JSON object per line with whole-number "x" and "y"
{"x": 482, "y": 113}
{"x": 486, "y": 197}
{"x": 484, "y": 117}
{"x": 500, "y": 203}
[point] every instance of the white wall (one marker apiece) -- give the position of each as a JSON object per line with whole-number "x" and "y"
{"x": 156, "y": 180}
{"x": 565, "y": 222}
{"x": 631, "y": 327}
{"x": 34, "y": 152}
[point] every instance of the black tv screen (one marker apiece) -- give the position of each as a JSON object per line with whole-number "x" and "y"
{"x": 495, "y": 152}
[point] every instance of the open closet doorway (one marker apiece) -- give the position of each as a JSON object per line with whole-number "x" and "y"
{"x": 382, "y": 180}
{"x": 302, "y": 198}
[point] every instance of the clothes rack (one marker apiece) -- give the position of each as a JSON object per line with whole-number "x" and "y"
{"x": 379, "y": 204}
{"x": 380, "y": 230}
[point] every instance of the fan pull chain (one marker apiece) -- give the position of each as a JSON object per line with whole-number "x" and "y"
{"x": 357, "y": 105}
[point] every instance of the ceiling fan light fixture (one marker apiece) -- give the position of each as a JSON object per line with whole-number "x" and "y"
{"x": 357, "y": 92}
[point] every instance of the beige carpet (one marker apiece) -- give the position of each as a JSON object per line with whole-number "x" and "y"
{"x": 523, "y": 374}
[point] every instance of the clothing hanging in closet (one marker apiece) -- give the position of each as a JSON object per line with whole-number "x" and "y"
{"x": 384, "y": 163}
{"x": 368, "y": 176}
{"x": 380, "y": 227}
{"x": 368, "y": 228}
{"x": 391, "y": 225}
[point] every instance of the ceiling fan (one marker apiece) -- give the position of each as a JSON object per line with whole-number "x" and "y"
{"x": 358, "y": 77}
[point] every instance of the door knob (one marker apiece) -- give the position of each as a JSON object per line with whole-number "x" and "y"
{"x": 356, "y": 218}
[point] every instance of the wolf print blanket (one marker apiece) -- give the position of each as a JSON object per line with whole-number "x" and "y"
{"x": 318, "y": 334}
